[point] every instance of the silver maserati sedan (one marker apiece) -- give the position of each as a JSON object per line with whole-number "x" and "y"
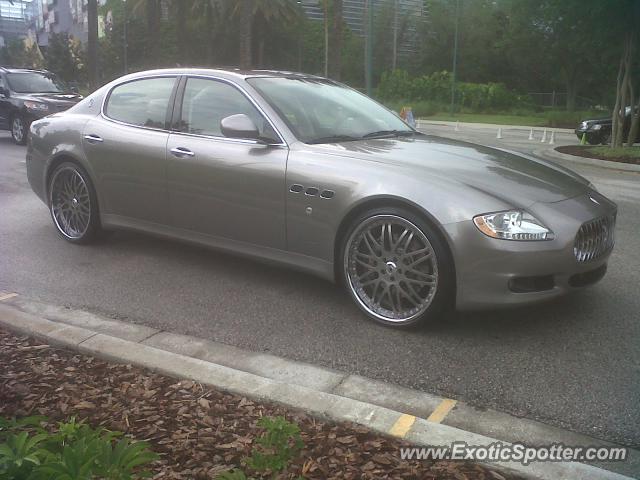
{"x": 306, "y": 172}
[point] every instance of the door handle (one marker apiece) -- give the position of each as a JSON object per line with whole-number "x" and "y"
{"x": 182, "y": 152}
{"x": 93, "y": 139}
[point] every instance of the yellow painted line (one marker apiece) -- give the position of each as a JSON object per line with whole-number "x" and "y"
{"x": 402, "y": 425}
{"x": 441, "y": 410}
{"x": 7, "y": 296}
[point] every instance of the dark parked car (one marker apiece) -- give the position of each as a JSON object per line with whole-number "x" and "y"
{"x": 27, "y": 95}
{"x": 598, "y": 131}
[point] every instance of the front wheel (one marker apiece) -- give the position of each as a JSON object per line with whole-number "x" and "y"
{"x": 73, "y": 204}
{"x": 396, "y": 267}
{"x": 594, "y": 139}
{"x": 19, "y": 129}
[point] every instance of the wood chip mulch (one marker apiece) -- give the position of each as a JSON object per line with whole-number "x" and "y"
{"x": 585, "y": 151}
{"x": 198, "y": 431}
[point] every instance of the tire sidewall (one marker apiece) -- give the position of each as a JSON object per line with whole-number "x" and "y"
{"x": 25, "y": 129}
{"x": 594, "y": 139}
{"x": 446, "y": 276}
{"x": 94, "y": 222}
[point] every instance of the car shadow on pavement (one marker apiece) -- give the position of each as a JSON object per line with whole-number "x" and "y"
{"x": 267, "y": 280}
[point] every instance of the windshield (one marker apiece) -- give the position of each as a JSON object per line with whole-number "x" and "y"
{"x": 321, "y": 111}
{"x": 35, "y": 82}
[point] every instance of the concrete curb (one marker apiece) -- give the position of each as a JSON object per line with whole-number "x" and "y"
{"x": 552, "y": 154}
{"x": 322, "y": 396}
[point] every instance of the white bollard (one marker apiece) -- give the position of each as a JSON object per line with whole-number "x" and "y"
{"x": 552, "y": 140}
{"x": 499, "y": 136}
{"x": 544, "y": 136}
{"x": 531, "y": 134}
{"x": 457, "y": 126}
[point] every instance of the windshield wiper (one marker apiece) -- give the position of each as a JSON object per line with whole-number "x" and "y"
{"x": 388, "y": 133}
{"x": 333, "y": 139}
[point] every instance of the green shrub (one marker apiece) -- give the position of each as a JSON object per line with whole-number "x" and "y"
{"x": 276, "y": 447}
{"x": 436, "y": 89}
{"x": 74, "y": 452}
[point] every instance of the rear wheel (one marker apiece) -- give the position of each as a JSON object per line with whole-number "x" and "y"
{"x": 396, "y": 267}
{"x": 19, "y": 130}
{"x": 73, "y": 204}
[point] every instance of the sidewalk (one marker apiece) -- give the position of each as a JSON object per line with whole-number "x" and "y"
{"x": 418, "y": 418}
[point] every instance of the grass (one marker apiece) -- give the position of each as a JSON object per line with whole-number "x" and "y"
{"x": 548, "y": 118}
{"x": 628, "y": 152}
{"x": 498, "y": 119}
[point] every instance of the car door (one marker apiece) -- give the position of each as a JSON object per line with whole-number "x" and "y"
{"x": 224, "y": 187}
{"x": 5, "y": 103}
{"x": 126, "y": 148}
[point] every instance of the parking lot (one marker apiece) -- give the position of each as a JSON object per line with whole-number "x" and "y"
{"x": 574, "y": 363}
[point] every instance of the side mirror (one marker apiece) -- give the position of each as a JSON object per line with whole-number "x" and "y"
{"x": 239, "y": 126}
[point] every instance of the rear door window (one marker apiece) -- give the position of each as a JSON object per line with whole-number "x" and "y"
{"x": 142, "y": 102}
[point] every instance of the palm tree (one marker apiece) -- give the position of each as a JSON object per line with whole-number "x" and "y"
{"x": 272, "y": 11}
{"x": 332, "y": 38}
{"x": 152, "y": 12}
{"x": 335, "y": 50}
{"x": 180, "y": 9}
{"x": 92, "y": 43}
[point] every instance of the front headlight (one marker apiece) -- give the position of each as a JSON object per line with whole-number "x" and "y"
{"x": 512, "y": 225}
{"x": 43, "y": 107}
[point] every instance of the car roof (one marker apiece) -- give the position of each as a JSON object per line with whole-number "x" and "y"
{"x": 225, "y": 72}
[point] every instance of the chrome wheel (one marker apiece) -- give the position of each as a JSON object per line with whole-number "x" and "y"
{"x": 391, "y": 268}
{"x": 70, "y": 203}
{"x": 17, "y": 130}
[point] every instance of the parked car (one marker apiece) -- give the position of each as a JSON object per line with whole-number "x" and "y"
{"x": 598, "y": 131}
{"x": 27, "y": 95}
{"x": 306, "y": 172}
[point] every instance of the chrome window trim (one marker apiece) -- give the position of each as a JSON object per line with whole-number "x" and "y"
{"x": 175, "y": 76}
{"x": 244, "y": 141}
{"x": 246, "y": 94}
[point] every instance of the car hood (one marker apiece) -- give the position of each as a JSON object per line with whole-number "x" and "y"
{"x": 57, "y": 99}
{"x": 511, "y": 177}
{"x": 598, "y": 120}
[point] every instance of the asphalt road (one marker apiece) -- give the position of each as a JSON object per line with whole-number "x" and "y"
{"x": 574, "y": 363}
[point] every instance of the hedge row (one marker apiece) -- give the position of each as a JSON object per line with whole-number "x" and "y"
{"x": 436, "y": 88}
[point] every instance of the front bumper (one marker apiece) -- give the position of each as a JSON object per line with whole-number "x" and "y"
{"x": 492, "y": 273}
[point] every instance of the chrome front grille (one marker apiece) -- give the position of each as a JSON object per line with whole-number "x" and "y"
{"x": 595, "y": 238}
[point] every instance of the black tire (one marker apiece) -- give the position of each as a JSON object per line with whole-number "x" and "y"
{"x": 606, "y": 138}
{"x": 62, "y": 203}
{"x": 351, "y": 248}
{"x": 19, "y": 129}
{"x": 594, "y": 139}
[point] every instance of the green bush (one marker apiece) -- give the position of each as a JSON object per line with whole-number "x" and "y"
{"x": 436, "y": 89}
{"x": 276, "y": 447}
{"x": 74, "y": 452}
